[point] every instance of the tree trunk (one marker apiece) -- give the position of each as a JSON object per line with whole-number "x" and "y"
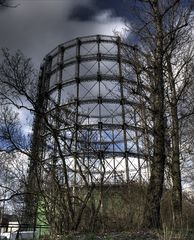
{"x": 155, "y": 188}
{"x": 176, "y": 172}
{"x": 175, "y": 161}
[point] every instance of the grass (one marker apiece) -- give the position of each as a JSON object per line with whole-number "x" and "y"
{"x": 165, "y": 234}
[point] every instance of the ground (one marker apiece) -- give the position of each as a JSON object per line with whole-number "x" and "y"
{"x": 132, "y": 236}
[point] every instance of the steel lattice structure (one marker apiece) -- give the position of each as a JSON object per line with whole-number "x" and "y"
{"x": 89, "y": 103}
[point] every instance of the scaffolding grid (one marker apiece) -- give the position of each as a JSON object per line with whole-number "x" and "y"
{"x": 90, "y": 106}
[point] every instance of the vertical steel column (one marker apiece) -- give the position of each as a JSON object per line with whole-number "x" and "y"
{"x": 123, "y": 107}
{"x": 59, "y": 73}
{"x": 100, "y": 127}
{"x": 77, "y": 78}
{"x": 114, "y": 165}
{"x": 34, "y": 168}
{"x": 88, "y": 152}
{"x": 61, "y": 56}
{"x": 100, "y": 124}
{"x": 137, "y": 145}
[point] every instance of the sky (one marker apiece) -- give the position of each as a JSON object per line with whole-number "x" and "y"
{"x": 37, "y": 26}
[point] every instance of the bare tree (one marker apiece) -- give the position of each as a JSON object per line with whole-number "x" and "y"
{"x": 18, "y": 92}
{"x": 14, "y": 163}
{"x": 49, "y": 185}
{"x": 178, "y": 81}
{"x": 159, "y": 31}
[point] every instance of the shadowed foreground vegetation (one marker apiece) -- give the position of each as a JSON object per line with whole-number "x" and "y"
{"x": 141, "y": 235}
{"x": 121, "y": 217}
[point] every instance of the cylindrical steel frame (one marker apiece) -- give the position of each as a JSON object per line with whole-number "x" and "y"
{"x": 91, "y": 105}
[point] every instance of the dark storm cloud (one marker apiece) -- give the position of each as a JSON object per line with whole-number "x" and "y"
{"x": 86, "y": 13}
{"x": 119, "y": 8}
{"x": 82, "y": 13}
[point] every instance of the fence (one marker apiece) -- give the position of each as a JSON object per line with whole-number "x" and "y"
{"x": 22, "y": 231}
